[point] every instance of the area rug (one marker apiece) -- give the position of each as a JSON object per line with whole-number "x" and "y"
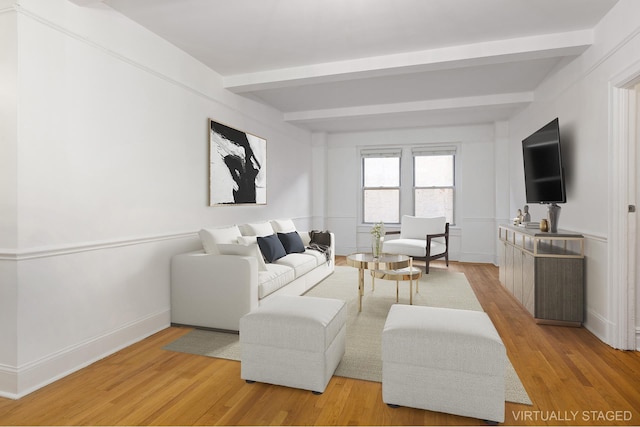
{"x": 362, "y": 359}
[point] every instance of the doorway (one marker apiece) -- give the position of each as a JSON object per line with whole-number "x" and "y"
{"x": 624, "y": 221}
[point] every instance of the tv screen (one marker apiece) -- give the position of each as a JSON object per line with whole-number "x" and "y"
{"x": 543, "y": 170}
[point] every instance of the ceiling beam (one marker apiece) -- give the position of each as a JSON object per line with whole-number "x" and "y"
{"x": 85, "y": 2}
{"x": 500, "y": 100}
{"x": 493, "y": 52}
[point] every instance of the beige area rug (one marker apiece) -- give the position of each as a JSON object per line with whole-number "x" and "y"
{"x": 362, "y": 359}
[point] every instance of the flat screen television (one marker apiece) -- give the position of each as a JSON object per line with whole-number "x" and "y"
{"x": 543, "y": 169}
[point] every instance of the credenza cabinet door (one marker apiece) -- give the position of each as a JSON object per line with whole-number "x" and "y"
{"x": 501, "y": 263}
{"x": 528, "y": 299}
{"x": 559, "y": 289}
{"x": 510, "y": 271}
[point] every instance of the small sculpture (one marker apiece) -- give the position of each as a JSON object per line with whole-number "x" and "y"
{"x": 519, "y": 217}
{"x": 527, "y": 215}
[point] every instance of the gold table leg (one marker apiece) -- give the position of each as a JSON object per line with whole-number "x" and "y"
{"x": 360, "y": 287}
{"x": 411, "y": 292}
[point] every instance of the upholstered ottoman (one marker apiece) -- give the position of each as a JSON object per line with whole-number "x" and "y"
{"x": 443, "y": 360}
{"x": 294, "y": 341}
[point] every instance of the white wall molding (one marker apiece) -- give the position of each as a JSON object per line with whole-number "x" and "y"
{"x": 53, "y": 251}
{"x": 6, "y": 8}
{"x": 483, "y": 219}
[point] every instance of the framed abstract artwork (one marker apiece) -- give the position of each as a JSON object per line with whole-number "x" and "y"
{"x": 237, "y": 166}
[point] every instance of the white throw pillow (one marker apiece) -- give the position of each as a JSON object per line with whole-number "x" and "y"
{"x": 251, "y": 250}
{"x": 260, "y": 229}
{"x": 248, "y": 240}
{"x": 211, "y": 237}
{"x": 413, "y": 227}
{"x": 283, "y": 226}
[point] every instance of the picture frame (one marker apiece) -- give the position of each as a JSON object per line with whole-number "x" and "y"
{"x": 237, "y": 166}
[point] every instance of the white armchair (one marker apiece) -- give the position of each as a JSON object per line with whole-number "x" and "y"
{"x": 424, "y": 239}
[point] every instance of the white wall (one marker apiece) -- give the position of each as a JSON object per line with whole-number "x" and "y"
{"x": 473, "y": 237}
{"x": 8, "y": 193}
{"x": 578, "y": 94}
{"x": 104, "y": 166}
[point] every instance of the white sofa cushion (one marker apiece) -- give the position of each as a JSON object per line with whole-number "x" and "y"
{"x": 413, "y": 227}
{"x": 412, "y": 247}
{"x": 251, "y": 250}
{"x": 300, "y": 263}
{"x": 319, "y": 256}
{"x": 210, "y": 237}
{"x": 275, "y": 277}
{"x": 260, "y": 229}
{"x": 283, "y": 226}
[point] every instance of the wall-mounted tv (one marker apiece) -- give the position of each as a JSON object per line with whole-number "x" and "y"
{"x": 543, "y": 169}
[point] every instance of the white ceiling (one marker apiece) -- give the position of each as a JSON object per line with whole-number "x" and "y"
{"x": 351, "y": 65}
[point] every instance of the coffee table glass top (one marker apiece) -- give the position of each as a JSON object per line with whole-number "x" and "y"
{"x": 383, "y": 262}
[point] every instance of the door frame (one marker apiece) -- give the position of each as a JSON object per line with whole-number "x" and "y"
{"x": 622, "y": 223}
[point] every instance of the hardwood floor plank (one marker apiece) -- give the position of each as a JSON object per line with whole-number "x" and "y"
{"x": 571, "y": 377}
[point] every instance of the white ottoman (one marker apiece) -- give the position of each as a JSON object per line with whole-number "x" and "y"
{"x": 293, "y": 341}
{"x": 443, "y": 360}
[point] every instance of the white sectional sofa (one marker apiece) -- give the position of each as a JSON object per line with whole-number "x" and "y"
{"x": 216, "y": 286}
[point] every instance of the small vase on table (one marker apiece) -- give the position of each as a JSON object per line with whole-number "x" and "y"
{"x": 376, "y": 246}
{"x": 377, "y": 238}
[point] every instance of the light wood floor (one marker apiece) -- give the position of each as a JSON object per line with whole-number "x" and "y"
{"x": 570, "y": 375}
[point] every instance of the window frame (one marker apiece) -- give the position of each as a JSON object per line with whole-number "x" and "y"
{"x": 435, "y": 151}
{"x": 379, "y": 153}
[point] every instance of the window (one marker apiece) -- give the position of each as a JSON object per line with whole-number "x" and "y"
{"x": 434, "y": 183}
{"x": 381, "y": 186}
{"x": 410, "y": 180}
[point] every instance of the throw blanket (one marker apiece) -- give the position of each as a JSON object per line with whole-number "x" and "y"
{"x": 321, "y": 242}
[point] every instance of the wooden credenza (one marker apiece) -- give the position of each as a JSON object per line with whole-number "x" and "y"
{"x": 545, "y": 272}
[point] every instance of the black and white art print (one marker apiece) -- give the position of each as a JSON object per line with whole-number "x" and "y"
{"x": 237, "y": 166}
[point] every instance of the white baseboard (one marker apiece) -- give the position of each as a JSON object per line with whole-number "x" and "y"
{"x": 597, "y": 325}
{"x": 8, "y": 382}
{"x": 18, "y": 382}
{"x": 476, "y": 257}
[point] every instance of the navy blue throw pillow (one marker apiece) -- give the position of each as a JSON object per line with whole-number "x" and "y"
{"x": 271, "y": 248}
{"x": 292, "y": 242}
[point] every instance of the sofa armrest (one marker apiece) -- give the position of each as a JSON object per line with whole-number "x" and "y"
{"x": 213, "y": 291}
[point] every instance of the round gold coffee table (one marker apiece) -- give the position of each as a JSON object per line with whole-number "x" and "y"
{"x": 409, "y": 274}
{"x": 366, "y": 261}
